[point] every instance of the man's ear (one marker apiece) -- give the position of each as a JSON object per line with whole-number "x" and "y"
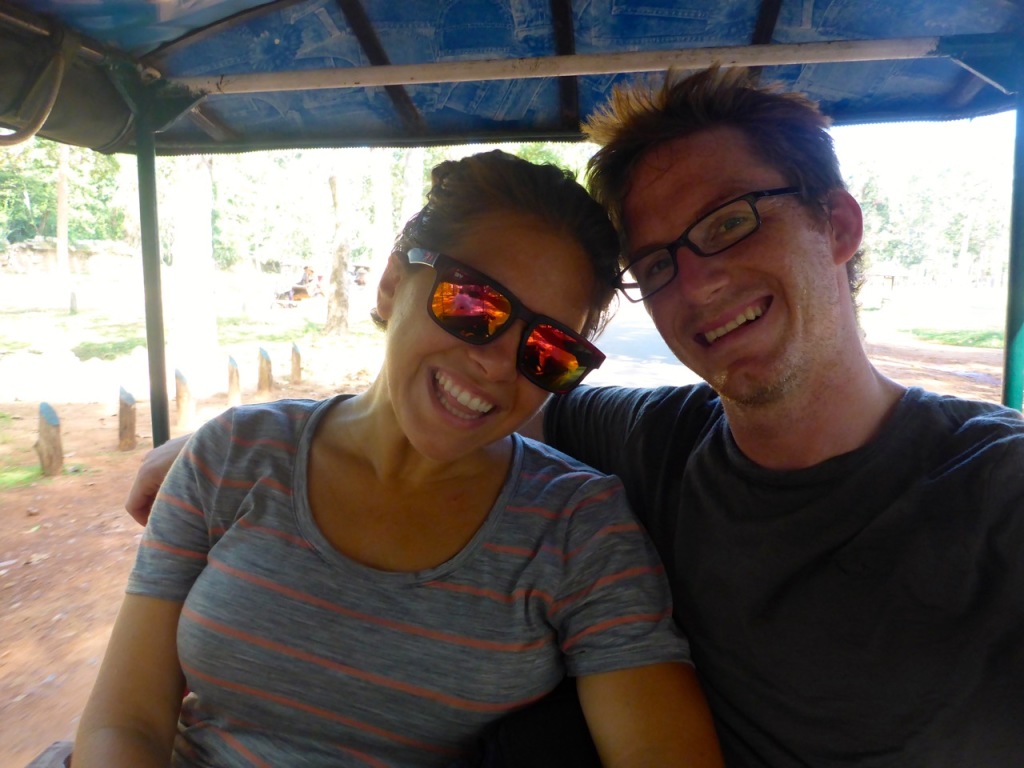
{"x": 387, "y": 288}
{"x": 847, "y": 223}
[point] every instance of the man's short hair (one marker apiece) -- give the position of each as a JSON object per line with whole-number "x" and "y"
{"x": 787, "y": 130}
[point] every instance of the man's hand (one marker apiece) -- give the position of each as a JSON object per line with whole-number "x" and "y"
{"x": 151, "y": 474}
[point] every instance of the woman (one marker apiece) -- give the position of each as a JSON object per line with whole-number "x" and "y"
{"x": 372, "y": 580}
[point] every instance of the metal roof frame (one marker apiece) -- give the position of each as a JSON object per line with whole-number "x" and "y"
{"x": 150, "y": 107}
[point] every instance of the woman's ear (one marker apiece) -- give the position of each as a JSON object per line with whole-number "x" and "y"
{"x": 387, "y": 288}
{"x": 847, "y": 225}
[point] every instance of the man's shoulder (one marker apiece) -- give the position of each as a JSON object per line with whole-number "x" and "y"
{"x": 958, "y": 414}
{"x": 643, "y": 402}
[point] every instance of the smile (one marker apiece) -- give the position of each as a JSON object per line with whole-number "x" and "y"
{"x": 454, "y": 393}
{"x": 744, "y": 317}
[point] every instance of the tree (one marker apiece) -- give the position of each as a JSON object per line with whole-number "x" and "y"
{"x": 28, "y": 193}
{"x": 337, "y": 296}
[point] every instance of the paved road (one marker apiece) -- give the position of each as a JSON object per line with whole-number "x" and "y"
{"x": 637, "y": 356}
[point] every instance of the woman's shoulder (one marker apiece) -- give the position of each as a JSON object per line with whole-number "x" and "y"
{"x": 265, "y": 416}
{"x": 558, "y": 480}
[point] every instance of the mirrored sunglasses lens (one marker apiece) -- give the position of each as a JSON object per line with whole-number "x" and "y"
{"x": 470, "y": 311}
{"x": 554, "y": 359}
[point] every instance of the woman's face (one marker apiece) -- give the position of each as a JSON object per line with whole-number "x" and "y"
{"x": 451, "y": 397}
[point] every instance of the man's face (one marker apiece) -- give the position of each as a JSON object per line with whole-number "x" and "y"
{"x": 763, "y": 317}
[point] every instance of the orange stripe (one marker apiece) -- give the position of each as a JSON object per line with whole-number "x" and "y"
{"x": 267, "y": 442}
{"x": 491, "y": 594}
{"x": 290, "y": 538}
{"x": 368, "y": 759}
{"x": 229, "y": 482}
{"x": 604, "y": 581}
{"x": 250, "y": 726}
{"x": 180, "y": 503}
{"x": 159, "y": 545}
{"x": 326, "y": 714}
{"x": 608, "y": 530}
{"x": 240, "y": 748}
{"x": 597, "y": 498}
{"x": 566, "y": 512}
{"x": 410, "y": 629}
{"x": 616, "y": 622}
{"x": 529, "y": 554}
{"x": 359, "y": 674}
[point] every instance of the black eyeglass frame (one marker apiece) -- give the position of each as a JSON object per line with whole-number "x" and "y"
{"x": 751, "y": 198}
{"x": 441, "y": 263}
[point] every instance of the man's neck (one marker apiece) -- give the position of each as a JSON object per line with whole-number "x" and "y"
{"x": 821, "y": 419}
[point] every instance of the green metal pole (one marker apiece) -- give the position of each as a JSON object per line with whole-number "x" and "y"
{"x": 146, "y": 155}
{"x": 1013, "y": 366}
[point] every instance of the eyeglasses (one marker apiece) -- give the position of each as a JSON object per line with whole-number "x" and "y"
{"x": 476, "y": 309}
{"x": 722, "y": 228}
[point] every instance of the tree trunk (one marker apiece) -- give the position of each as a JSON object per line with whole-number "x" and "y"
{"x": 190, "y": 313}
{"x": 337, "y": 291}
{"x": 337, "y": 297}
{"x": 63, "y": 281}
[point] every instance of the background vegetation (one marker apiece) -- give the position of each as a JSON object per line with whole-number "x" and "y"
{"x": 943, "y": 223}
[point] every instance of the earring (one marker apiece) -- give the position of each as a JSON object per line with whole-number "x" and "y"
{"x": 379, "y": 321}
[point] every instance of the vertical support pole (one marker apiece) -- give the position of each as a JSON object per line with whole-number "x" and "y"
{"x": 159, "y": 407}
{"x": 1013, "y": 365}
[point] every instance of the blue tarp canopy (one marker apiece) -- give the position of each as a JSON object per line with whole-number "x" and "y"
{"x": 227, "y": 75}
{"x": 198, "y": 76}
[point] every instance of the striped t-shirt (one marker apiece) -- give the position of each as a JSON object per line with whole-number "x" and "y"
{"x": 298, "y": 656}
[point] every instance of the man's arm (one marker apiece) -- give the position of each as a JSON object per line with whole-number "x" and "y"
{"x": 154, "y": 468}
{"x": 654, "y": 716}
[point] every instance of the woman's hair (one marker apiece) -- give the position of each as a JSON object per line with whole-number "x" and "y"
{"x": 463, "y": 191}
{"x": 785, "y": 130}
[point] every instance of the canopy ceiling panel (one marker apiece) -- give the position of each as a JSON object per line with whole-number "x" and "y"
{"x": 227, "y": 75}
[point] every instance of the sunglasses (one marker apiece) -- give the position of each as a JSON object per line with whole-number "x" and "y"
{"x": 476, "y": 309}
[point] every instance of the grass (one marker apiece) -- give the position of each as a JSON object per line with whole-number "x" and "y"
{"x": 107, "y": 350}
{"x": 237, "y": 330}
{"x": 15, "y": 477}
{"x": 986, "y": 339}
{"x": 12, "y": 345}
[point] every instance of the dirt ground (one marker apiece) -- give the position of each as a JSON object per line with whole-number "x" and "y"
{"x": 66, "y": 544}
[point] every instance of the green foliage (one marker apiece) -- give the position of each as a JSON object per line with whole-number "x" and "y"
{"x": 964, "y": 338}
{"x": 945, "y": 224}
{"x": 272, "y": 209}
{"x": 28, "y": 193}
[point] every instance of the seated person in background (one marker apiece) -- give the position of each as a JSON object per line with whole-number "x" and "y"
{"x": 307, "y": 287}
{"x": 373, "y": 580}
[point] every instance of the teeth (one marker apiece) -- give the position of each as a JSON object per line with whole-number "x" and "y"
{"x": 750, "y": 313}
{"x": 463, "y": 398}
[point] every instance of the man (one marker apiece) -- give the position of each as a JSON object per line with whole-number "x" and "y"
{"x": 846, "y": 554}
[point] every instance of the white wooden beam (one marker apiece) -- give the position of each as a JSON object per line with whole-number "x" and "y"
{"x": 558, "y": 66}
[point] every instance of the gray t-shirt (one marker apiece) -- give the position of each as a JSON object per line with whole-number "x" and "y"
{"x": 298, "y": 656}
